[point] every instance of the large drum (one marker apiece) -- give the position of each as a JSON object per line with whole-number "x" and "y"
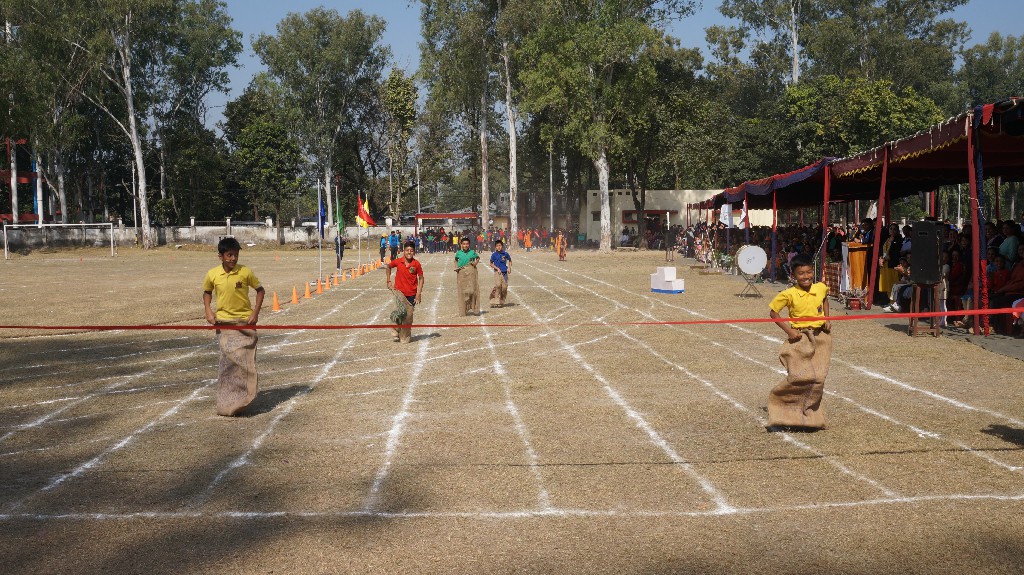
{"x": 751, "y": 260}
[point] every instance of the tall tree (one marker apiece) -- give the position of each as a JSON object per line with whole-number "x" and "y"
{"x": 328, "y": 65}
{"x": 908, "y": 42}
{"x": 268, "y": 161}
{"x": 399, "y": 102}
{"x": 588, "y": 56}
{"x": 842, "y": 117}
{"x": 778, "y": 21}
{"x": 122, "y": 38}
{"x": 993, "y": 70}
{"x": 191, "y": 65}
{"x": 458, "y": 64}
{"x": 652, "y": 127}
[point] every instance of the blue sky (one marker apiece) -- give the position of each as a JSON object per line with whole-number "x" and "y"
{"x": 253, "y": 17}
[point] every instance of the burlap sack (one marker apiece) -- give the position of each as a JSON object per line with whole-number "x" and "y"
{"x": 796, "y": 401}
{"x": 236, "y": 385}
{"x": 404, "y": 334}
{"x": 468, "y": 292}
{"x": 500, "y": 290}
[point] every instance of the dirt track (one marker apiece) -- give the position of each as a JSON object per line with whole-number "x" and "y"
{"x": 546, "y": 448}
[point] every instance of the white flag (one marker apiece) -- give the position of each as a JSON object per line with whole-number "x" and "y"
{"x": 726, "y": 215}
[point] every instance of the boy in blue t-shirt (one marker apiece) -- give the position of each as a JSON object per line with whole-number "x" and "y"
{"x": 501, "y": 263}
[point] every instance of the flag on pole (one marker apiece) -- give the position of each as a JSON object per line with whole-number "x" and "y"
{"x": 337, "y": 210}
{"x": 363, "y": 212}
{"x": 322, "y": 218}
{"x": 725, "y": 215}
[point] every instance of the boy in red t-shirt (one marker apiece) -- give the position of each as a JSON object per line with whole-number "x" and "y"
{"x": 408, "y": 282}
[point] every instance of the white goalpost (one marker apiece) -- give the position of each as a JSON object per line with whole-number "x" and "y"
{"x": 70, "y": 237}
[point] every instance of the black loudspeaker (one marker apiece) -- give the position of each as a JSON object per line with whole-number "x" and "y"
{"x": 926, "y": 252}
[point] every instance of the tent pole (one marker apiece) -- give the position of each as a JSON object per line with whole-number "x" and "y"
{"x": 824, "y": 217}
{"x": 975, "y": 177}
{"x": 883, "y": 197}
{"x": 774, "y": 224}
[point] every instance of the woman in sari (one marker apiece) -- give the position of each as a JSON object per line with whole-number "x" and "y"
{"x": 560, "y": 245}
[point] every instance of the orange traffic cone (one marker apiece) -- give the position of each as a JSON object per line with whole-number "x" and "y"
{"x": 336, "y": 278}
{"x": 319, "y": 287}
{"x": 295, "y": 295}
{"x": 307, "y": 296}
{"x": 327, "y": 283}
{"x": 277, "y": 304}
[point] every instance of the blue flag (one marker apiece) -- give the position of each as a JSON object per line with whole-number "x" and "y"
{"x": 323, "y": 217}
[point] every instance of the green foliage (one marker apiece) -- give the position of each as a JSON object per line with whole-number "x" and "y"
{"x": 994, "y": 70}
{"x": 268, "y": 162}
{"x": 328, "y": 66}
{"x": 834, "y": 117}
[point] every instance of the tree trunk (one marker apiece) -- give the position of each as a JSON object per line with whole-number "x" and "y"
{"x": 641, "y": 221}
{"x": 163, "y": 174}
{"x": 136, "y": 141}
{"x": 87, "y": 202}
{"x": 61, "y": 192}
{"x": 277, "y": 224}
{"x": 513, "y": 177}
{"x": 485, "y": 198}
{"x": 601, "y": 164}
{"x": 103, "y": 191}
{"x": 40, "y": 205}
{"x": 13, "y": 146}
{"x": 794, "y": 36}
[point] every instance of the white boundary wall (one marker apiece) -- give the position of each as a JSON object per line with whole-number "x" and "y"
{"x": 31, "y": 237}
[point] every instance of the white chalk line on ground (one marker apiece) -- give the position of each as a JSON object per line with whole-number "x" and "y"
{"x": 287, "y": 409}
{"x": 102, "y": 364}
{"x": 117, "y": 446}
{"x": 892, "y": 381}
{"x": 394, "y": 435}
{"x": 560, "y": 513}
{"x": 919, "y": 431}
{"x": 106, "y": 392}
{"x": 543, "y": 498}
{"x": 43, "y": 419}
{"x": 721, "y": 503}
{"x": 787, "y": 437}
{"x": 96, "y": 460}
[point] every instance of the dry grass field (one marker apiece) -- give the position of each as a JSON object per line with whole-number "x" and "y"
{"x": 548, "y": 447}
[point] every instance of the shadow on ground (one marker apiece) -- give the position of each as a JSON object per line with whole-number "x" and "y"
{"x": 1006, "y": 433}
{"x": 266, "y": 401}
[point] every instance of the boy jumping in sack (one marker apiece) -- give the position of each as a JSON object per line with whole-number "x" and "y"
{"x": 236, "y": 385}
{"x": 796, "y": 402}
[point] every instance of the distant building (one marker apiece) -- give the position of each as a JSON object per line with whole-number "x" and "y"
{"x": 624, "y": 214}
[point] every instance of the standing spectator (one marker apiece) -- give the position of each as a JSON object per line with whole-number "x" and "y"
{"x": 339, "y": 248}
{"x": 393, "y": 243}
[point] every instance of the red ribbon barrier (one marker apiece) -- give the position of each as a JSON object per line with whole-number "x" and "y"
{"x": 927, "y": 314}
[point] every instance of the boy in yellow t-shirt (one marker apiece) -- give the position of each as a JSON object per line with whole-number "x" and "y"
{"x": 806, "y": 353}
{"x": 237, "y": 382}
